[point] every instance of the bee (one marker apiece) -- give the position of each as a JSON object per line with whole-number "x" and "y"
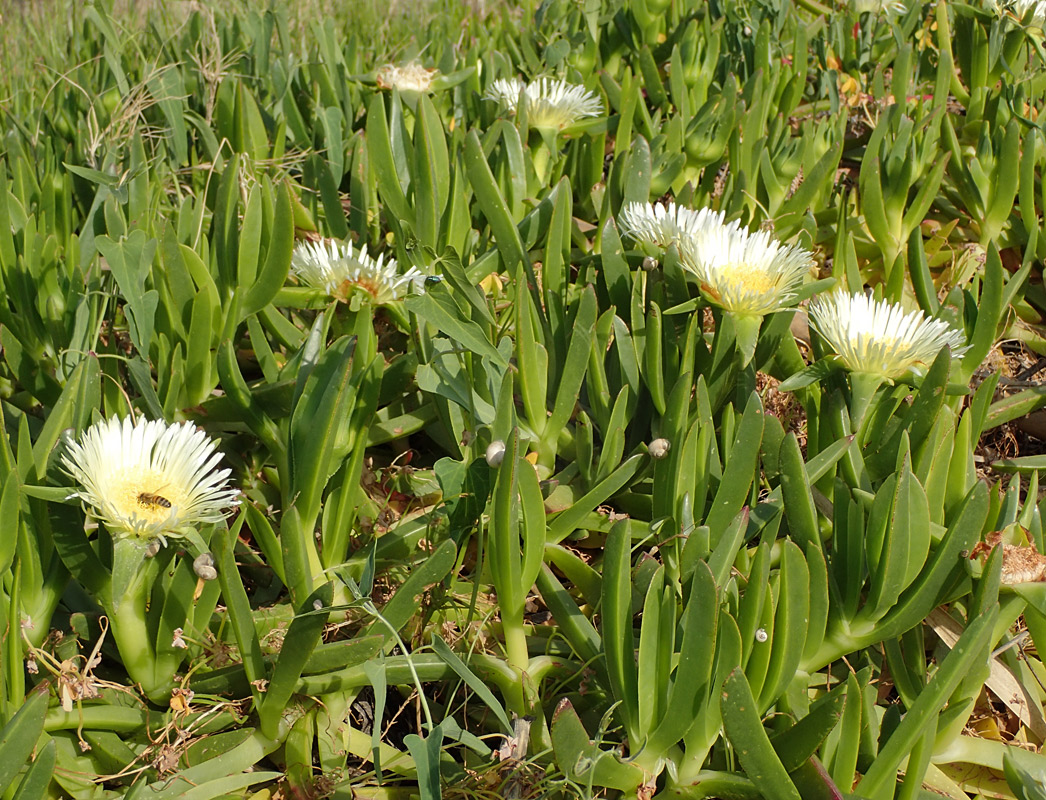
{"x": 150, "y": 499}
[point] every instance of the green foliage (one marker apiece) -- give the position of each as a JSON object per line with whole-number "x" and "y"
{"x": 557, "y": 498}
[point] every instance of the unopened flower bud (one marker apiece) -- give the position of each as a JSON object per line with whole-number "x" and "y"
{"x": 495, "y": 453}
{"x": 659, "y": 448}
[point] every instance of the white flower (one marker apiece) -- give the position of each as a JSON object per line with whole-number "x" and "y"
{"x": 338, "y": 270}
{"x": 880, "y": 338}
{"x": 664, "y": 225}
{"x": 149, "y": 479}
{"x": 410, "y": 77}
{"x": 551, "y": 104}
{"x": 751, "y": 274}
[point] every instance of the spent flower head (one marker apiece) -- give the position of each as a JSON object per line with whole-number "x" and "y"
{"x": 664, "y": 225}
{"x": 749, "y": 274}
{"x": 148, "y": 479}
{"x": 410, "y": 77}
{"x": 339, "y": 270}
{"x": 551, "y": 104}
{"x": 879, "y": 338}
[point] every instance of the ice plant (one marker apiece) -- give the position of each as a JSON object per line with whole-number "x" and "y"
{"x": 748, "y": 275}
{"x": 877, "y": 342}
{"x": 340, "y": 271}
{"x": 410, "y": 77}
{"x": 550, "y": 104}
{"x": 664, "y": 225}
{"x": 148, "y": 479}
{"x": 879, "y": 338}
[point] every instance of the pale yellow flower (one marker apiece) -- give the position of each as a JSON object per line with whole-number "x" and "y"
{"x": 750, "y": 274}
{"x": 664, "y": 225}
{"x": 149, "y": 479}
{"x": 879, "y": 338}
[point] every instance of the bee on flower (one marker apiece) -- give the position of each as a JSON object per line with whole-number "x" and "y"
{"x": 148, "y": 479}
{"x": 550, "y": 104}
{"x": 340, "y": 271}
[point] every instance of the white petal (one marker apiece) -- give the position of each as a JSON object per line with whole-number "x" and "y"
{"x": 879, "y": 337}
{"x": 337, "y": 269}
{"x": 550, "y": 103}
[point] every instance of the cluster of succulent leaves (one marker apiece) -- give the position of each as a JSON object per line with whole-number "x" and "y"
{"x": 744, "y": 616}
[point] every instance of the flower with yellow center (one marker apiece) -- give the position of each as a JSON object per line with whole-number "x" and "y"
{"x": 879, "y": 338}
{"x": 410, "y": 77}
{"x": 148, "y": 479}
{"x": 664, "y": 225}
{"x": 551, "y": 104}
{"x": 339, "y": 271}
{"x": 749, "y": 274}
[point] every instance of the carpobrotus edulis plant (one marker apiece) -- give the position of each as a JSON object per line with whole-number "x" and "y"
{"x": 746, "y": 274}
{"x": 880, "y": 338}
{"x": 148, "y": 479}
{"x": 146, "y": 482}
{"x": 550, "y": 104}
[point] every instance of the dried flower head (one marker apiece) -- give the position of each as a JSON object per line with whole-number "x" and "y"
{"x": 149, "y": 479}
{"x": 338, "y": 270}
{"x": 551, "y": 104}
{"x": 879, "y": 338}
{"x": 410, "y": 77}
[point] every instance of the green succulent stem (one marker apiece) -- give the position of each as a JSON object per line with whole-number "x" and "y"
{"x": 153, "y": 670}
{"x": 815, "y": 7}
{"x": 863, "y": 386}
{"x": 541, "y": 158}
{"x": 131, "y": 635}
